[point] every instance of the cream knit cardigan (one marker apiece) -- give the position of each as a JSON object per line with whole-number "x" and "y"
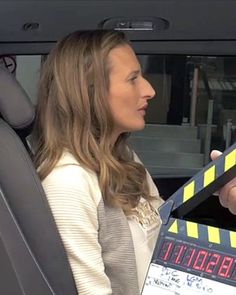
{"x": 97, "y": 238}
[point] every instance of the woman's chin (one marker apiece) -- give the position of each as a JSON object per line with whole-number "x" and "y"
{"x": 138, "y": 127}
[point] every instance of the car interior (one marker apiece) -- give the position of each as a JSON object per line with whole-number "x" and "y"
{"x": 32, "y": 257}
{"x": 173, "y": 40}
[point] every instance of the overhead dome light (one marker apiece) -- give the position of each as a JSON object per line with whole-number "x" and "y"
{"x": 135, "y": 24}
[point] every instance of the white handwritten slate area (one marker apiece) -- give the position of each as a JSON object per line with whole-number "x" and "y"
{"x": 163, "y": 280}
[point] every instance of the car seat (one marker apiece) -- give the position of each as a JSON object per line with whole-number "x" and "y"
{"x": 32, "y": 257}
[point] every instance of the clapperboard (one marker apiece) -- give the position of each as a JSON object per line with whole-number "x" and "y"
{"x": 192, "y": 258}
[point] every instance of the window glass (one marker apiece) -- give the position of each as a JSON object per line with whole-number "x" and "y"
{"x": 26, "y": 68}
{"x": 185, "y": 86}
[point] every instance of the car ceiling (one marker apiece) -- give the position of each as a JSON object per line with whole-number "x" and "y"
{"x": 27, "y": 23}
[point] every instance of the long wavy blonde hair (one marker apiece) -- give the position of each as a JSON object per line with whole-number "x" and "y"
{"x": 73, "y": 115}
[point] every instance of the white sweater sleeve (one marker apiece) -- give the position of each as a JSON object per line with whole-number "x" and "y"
{"x": 75, "y": 211}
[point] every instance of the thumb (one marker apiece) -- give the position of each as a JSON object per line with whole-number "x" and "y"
{"x": 215, "y": 154}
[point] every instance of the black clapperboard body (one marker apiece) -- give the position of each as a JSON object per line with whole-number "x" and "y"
{"x": 191, "y": 258}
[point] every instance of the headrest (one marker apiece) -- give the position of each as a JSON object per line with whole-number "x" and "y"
{"x": 15, "y": 106}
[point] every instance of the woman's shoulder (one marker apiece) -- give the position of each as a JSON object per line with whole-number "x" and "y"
{"x": 70, "y": 178}
{"x": 67, "y": 159}
{"x": 69, "y": 170}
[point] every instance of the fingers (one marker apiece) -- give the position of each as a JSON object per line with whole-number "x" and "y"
{"x": 227, "y": 194}
{"x": 223, "y": 198}
{"x": 232, "y": 200}
{"x": 215, "y": 154}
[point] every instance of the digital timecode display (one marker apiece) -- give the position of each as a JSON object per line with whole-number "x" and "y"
{"x": 198, "y": 259}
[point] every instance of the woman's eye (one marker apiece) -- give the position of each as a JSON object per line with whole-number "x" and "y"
{"x": 133, "y": 79}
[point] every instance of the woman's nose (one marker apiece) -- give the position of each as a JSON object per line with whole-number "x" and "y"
{"x": 148, "y": 91}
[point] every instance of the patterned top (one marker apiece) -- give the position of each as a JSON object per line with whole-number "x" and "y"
{"x": 145, "y": 225}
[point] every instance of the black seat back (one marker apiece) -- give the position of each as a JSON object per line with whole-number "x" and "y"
{"x": 32, "y": 256}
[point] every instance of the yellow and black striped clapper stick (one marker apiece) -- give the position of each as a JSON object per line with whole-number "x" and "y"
{"x": 189, "y": 257}
{"x": 215, "y": 175}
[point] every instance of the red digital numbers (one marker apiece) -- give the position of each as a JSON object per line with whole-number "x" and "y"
{"x": 177, "y": 253}
{"x": 198, "y": 259}
{"x": 213, "y": 263}
{"x": 226, "y": 267}
{"x": 189, "y": 257}
{"x": 166, "y": 250}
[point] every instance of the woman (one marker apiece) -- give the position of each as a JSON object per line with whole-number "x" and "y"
{"x": 91, "y": 95}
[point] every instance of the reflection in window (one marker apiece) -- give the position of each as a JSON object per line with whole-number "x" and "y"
{"x": 27, "y": 73}
{"x": 172, "y": 76}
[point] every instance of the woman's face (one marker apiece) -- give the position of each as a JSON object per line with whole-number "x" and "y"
{"x": 129, "y": 92}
